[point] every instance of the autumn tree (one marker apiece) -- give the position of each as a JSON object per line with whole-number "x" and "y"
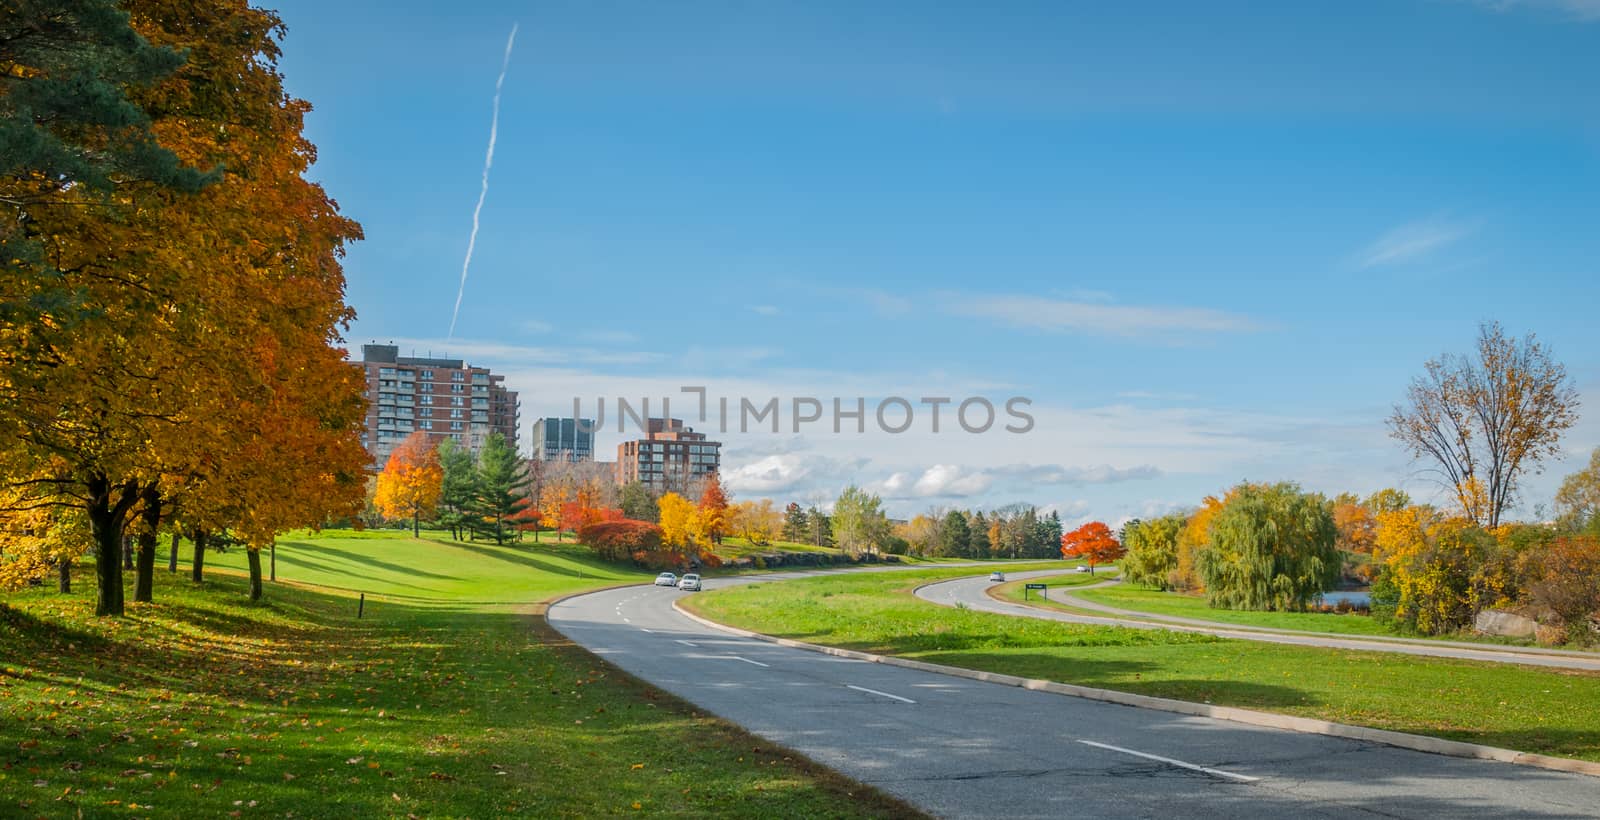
{"x": 1272, "y": 547}
{"x": 714, "y": 509}
{"x": 1152, "y": 550}
{"x": 1094, "y": 543}
{"x": 70, "y": 133}
{"x": 1482, "y": 421}
{"x": 411, "y": 482}
{"x": 188, "y": 306}
{"x": 678, "y": 517}
{"x": 755, "y": 521}
{"x": 1563, "y": 579}
{"x": 1577, "y": 505}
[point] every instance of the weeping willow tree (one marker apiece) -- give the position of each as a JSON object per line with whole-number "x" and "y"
{"x": 1272, "y": 548}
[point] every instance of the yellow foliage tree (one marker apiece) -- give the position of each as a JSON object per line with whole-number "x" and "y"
{"x": 411, "y": 481}
{"x": 680, "y": 524}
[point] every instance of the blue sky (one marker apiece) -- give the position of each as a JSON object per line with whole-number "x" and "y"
{"x": 1210, "y": 241}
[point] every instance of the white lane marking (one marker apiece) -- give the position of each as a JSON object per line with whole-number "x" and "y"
{"x": 876, "y": 692}
{"x": 626, "y": 621}
{"x": 649, "y": 630}
{"x": 747, "y": 660}
{"x": 1242, "y": 778}
{"x": 689, "y": 643}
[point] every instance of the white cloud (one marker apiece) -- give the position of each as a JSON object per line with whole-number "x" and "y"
{"x": 789, "y": 473}
{"x": 1412, "y": 241}
{"x": 765, "y": 310}
{"x": 1059, "y": 315}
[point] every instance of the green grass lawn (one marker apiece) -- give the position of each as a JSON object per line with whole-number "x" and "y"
{"x": 431, "y": 571}
{"x": 445, "y": 700}
{"x": 1531, "y": 709}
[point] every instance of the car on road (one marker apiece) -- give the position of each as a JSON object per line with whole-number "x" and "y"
{"x": 1082, "y": 569}
{"x": 689, "y": 583}
{"x": 666, "y": 579}
{"x": 997, "y": 576}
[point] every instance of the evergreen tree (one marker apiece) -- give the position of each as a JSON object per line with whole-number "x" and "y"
{"x": 502, "y": 489}
{"x": 978, "y": 545}
{"x": 796, "y": 525}
{"x": 638, "y": 503}
{"x": 954, "y": 537}
{"x": 459, "y": 488}
{"x": 1047, "y": 536}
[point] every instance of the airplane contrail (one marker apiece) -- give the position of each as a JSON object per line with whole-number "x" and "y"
{"x": 488, "y": 162}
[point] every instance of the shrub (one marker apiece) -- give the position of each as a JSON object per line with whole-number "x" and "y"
{"x": 620, "y": 540}
{"x": 1563, "y": 581}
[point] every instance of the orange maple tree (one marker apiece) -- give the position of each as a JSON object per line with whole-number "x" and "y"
{"x": 411, "y": 481}
{"x": 1094, "y": 543}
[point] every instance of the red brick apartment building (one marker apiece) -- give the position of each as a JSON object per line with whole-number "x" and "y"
{"x": 669, "y": 457}
{"x": 441, "y": 397}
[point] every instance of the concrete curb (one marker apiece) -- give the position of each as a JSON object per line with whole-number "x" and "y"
{"x": 1419, "y": 743}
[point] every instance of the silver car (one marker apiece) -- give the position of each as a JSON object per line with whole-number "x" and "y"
{"x": 997, "y": 576}
{"x": 666, "y": 579}
{"x": 689, "y": 583}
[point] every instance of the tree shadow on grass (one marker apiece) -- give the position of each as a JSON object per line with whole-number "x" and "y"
{"x": 368, "y": 559}
{"x": 521, "y": 559}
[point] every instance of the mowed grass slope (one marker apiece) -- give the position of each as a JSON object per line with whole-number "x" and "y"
{"x": 1526, "y": 708}
{"x": 206, "y": 705}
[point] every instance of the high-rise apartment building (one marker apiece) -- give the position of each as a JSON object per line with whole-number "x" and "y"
{"x": 669, "y": 457}
{"x": 563, "y": 439}
{"x": 445, "y": 398}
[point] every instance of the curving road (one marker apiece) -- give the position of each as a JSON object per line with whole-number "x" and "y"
{"x": 963, "y": 748}
{"x": 971, "y": 593}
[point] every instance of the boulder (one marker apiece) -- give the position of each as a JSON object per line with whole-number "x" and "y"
{"x": 1503, "y": 623}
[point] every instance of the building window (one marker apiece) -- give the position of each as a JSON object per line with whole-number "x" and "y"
{"x": 427, "y": 400}
{"x": 427, "y": 374}
{"x": 456, "y": 425}
{"x": 427, "y": 425}
{"x": 457, "y": 401}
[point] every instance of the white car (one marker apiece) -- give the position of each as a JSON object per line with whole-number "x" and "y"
{"x": 666, "y": 579}
{"x": 997, "y": 576}
{"x": 1082, "y": 569}
{"x": 689, "y": 583}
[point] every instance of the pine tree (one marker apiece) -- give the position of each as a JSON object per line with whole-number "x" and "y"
{"x": 638, "y": 503}
{"x": 955, "y": 537}
{"x": 502, "y": 489}
{"x": 460, "y": 486}
{"x": 978, "y": 544}
{"x": 796, "y": 525}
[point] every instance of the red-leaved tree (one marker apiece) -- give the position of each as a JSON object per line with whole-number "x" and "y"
{"x": 1094, "y": 543}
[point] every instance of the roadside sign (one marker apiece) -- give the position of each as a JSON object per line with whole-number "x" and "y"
{"x": 1027, "y": 589}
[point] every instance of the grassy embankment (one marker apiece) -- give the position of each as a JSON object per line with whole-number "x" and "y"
{"x": 1526, "y": 708}
{"x": 450, "y": 698}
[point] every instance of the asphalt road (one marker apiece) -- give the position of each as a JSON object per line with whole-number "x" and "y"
{"x": 970, "y": 592}
{"x": 961, "y": 748}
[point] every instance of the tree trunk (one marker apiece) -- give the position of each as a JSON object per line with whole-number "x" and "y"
{"x": 127, "y": 551}
{"x": 253, "y": 555}
{"x": 172, "y": 560}
{"x": 199, "y": 555}
{"x": 145, "y": 568}
{"x": 274, "y": 576}
{"x": 64, "y": 583}
{"x": 416, "y": 526}
{"x": 107, "y": 507}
